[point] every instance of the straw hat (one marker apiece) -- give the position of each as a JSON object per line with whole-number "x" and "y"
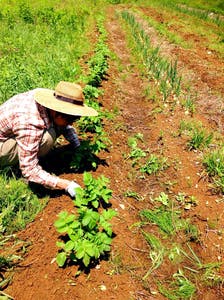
{"x": 67, "y": 98}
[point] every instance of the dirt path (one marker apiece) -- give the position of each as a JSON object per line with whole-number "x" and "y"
{"x": 38, "y": 276}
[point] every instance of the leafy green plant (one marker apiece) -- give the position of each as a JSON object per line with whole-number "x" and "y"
{"x": 85, "y": 157}
{"x": 95, "y": 191}
{"x": 136, "y": 153}
{"x": 186, "y": 201}
{"x": 89, "y": 233}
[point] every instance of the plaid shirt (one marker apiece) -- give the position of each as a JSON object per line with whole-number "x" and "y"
{"x": 22, "y": 118}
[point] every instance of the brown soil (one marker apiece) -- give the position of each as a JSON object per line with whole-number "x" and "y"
{"x": 39, "y": 277}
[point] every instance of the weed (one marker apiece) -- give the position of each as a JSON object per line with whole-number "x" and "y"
{"x": 136, "y": 152}
{"x": 154, "y": 164}
{"x": 156, "y": 254}
{"x": 214, "y": 164}
{"x": 18, "y": 204}
{"x": 189, "y": 104}
{"x": 180, "y": 288}
{"x": 134, "y": 195}
{"x": 162, "y": 218}
{"x": 199, "y": 140}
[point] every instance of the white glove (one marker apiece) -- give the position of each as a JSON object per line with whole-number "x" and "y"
{"x": 71, "y": 188}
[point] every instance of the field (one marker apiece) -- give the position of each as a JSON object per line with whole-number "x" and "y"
{"x": 151, "y": 165}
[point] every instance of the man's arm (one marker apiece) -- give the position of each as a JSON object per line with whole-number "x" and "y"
{"x": 71, "y": 136}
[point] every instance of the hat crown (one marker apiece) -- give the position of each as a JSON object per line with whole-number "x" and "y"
{"x": 69, "y": 90}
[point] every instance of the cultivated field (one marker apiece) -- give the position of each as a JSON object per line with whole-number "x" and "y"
{"x": 148, "y": 222}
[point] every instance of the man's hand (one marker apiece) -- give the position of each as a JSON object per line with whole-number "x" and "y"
{"x": 71, "y": 188}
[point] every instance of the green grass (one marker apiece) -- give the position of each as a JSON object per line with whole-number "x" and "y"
{"x": 18, "y": 205}
{"x": 214, "y": 164}
{"x": 179, "y": 288}
{"x": 41, "y": 45}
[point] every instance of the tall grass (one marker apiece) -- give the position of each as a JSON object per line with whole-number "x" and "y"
{"x": 41, "y": 45}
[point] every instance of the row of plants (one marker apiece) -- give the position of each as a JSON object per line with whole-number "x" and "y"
{"x": 89, "y": 232}
{"x": 97, "y": 70}
{"x": 156, "y": 66}
{"x": 173, "y": 18}
{"x": 37, "y": 50}
{"x": 209, "y": 12}
{"x": 215, "y": 6}
{"x": 170, "y": 87}
{"x": 170, "y": 234}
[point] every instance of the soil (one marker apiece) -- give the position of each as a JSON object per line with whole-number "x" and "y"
{"x": 119, "y": 276}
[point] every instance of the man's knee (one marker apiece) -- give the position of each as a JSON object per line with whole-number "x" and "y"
{"x": 8, "y": 153}
{"x": 9, "y": 149}
{"x": 47, "y": 142}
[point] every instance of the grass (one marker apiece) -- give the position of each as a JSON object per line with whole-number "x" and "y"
{"x": 18, "y": 205}
{"x": 187, "y": 21}
{"x": 180, "y": 288}
{"x": 214, "y": 164}
{"x": 27, "y": 32}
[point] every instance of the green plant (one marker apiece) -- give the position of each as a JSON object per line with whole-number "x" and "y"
{"x": 164, "y": 219}
{"x": 89, "y": 233}
{"x": 154, "y": 164}
{"x": 157, "y": 252}
{"x": 155, "y": 65}
{"x": 134, "y": 195}
{"x": 186, "y": 201}
{"x": 95, "y": 191}
{"x": 51, "y": 27}
{"x": 189, "y": 103}
{"x": 86, "y": 155}
{"x": 214, "y": 164}
{"x": 180, "y": 288}
{"x": 18, "y": 204}
{"x": 199, "y": 140}
{"x": 136, "y": 153}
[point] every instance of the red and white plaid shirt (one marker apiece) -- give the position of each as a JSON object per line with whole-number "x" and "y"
{"x": 22, "y": 118}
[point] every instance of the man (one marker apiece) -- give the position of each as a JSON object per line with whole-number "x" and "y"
{"x": 29, "y": 123}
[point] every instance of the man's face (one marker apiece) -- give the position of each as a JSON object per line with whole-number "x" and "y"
{"x": 62, "y": 120}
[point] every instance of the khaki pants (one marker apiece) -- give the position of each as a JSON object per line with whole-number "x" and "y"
{"x": 9, "y": 148}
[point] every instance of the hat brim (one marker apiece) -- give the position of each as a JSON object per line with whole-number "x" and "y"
{"x": 46, "y": 98}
